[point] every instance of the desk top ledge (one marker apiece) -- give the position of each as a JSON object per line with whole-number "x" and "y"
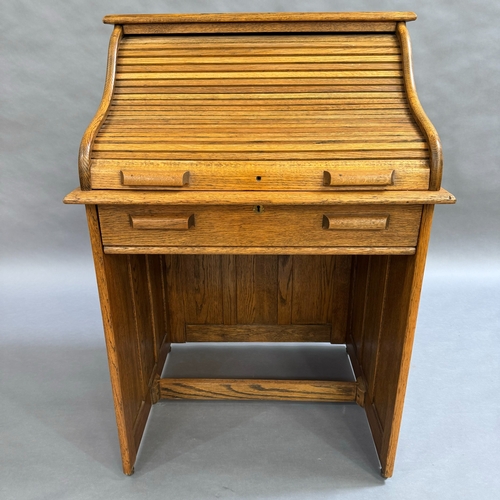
{"x": 260, "y": 17}
{"x": 126, "y": 197}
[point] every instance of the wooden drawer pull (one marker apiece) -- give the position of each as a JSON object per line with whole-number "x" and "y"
{"x": 168, "y": 223}
{"x": 154, "y": 178}
{"x": 355, "y": 179}
{"x": 355, "y": 223}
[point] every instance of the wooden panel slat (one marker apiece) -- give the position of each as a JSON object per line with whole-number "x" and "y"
{"x": 258, "y": 333}
{"x": 246, "y": 389}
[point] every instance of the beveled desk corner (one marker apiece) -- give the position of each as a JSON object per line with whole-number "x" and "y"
{"x": 260, "y": 177}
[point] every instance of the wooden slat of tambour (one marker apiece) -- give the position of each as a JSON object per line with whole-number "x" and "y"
{"x": 108, "y": 144}
{"x": 341, "y": 51}
{"x": 269, "y": 146}
{"x": 358, "y": 123}
{"x": 281, "y": 117}
{"x": 282, "y": 136}
{"x": 283, "y": 49}
{"x": 266, "y": 120}
{"x": 257, "y": 67}
{"x": 309, "y": 126}
{"x": 273, "y": 84}
{"x": 307, "y": 123}
{"x": 223, "y": 59}
{"x": 265, "y": 74}
{"x": 130, "y": 100}
{"x": 282, "y": 109}
{"x": 271, "y": 155}
{"x": 353, "y": 46}
{"x": 239, "y": 137}
{"x": 263, "y": 111}
{"x": 186, "y": 43}
{"x": 265, "y": 114}
{"x": 319, "y": 108}
{"x": 258, "y": 27}
{"x": 196, "y": 28}
{"x": 262, "y": 40}
{"x": 281, "y": 104}
{"x": 265, "y": 95}
{"x": 244, "y": 89}
{"x": 165, "y": 107}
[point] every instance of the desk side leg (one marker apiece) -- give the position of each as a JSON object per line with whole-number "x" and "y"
{"x": 133, "y": 311}
{"x": 385, "y": 296}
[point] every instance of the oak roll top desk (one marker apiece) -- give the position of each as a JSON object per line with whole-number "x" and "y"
{"x": 260, "y": 177}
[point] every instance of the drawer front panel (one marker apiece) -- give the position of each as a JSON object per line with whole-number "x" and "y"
{"x": 261, "y": 176}
{"x": 260, "y": 225}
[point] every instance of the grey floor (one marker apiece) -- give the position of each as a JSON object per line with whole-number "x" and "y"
{"x": 57, "y": 430}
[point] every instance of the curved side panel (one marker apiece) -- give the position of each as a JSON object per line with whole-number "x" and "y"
{"x": 100, "y": 116}
{"x": 436, "y": 155}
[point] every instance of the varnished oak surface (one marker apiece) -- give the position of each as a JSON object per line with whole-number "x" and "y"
{"x": 257, "y": 178}
{"x": 258, "y": 389}
{"x": 274, "y": 226}
{"x": 257, "y": 250}
{"x": 110, "y": 197}
{"x": 282, "y": 100}
{"x": 256, "y": 17}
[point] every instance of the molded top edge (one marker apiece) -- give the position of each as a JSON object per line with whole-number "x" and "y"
{"x": 259, "y": 17}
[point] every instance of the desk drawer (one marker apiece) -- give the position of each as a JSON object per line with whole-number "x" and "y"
{"x": 261, "y": 175}
{"x": 260, "y": 225}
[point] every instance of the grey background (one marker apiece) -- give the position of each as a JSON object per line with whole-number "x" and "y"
{"x": 57, "y": 434}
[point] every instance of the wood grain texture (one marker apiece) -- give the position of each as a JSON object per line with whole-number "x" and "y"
{"x": 101, "y": 114}
{"x": 334, "y": 222}
{"x": 257, "y": 289}
{"x": 258, "y": 333}
{"x": 265, "y": 176}
{"x": 394, "y": 414}
{"x": 436, "y": 158}
{"x": 248, "y": 389}
{"x": 259, "y": 27}
{"x": 229, "y": 250}
{"x": 158, "y": 115}
{"x": 139, "y": 178}
{"x": 260, "y": 178}
{"x": 312, "y": 272}
{"x": 282, "y": 298}
{"x": 386, "y": 293}
{"x": 121, "y": 391}
{"x": 175, "y": 223}
{"x": 341, "y": 294}
{"x": 109, "y": 197}
{"x": 257, "y": 16}
{"x": 271, "y": 225}
{"x": 356, "y": 179}
{"x": 128, "y": 309}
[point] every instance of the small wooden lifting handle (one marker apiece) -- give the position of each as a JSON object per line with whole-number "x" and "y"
{"x": 181, "y": 223}
{"x": 356, "y": 223}
{"x": 154, "y": 178}
{"x": 358, "y": 179}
